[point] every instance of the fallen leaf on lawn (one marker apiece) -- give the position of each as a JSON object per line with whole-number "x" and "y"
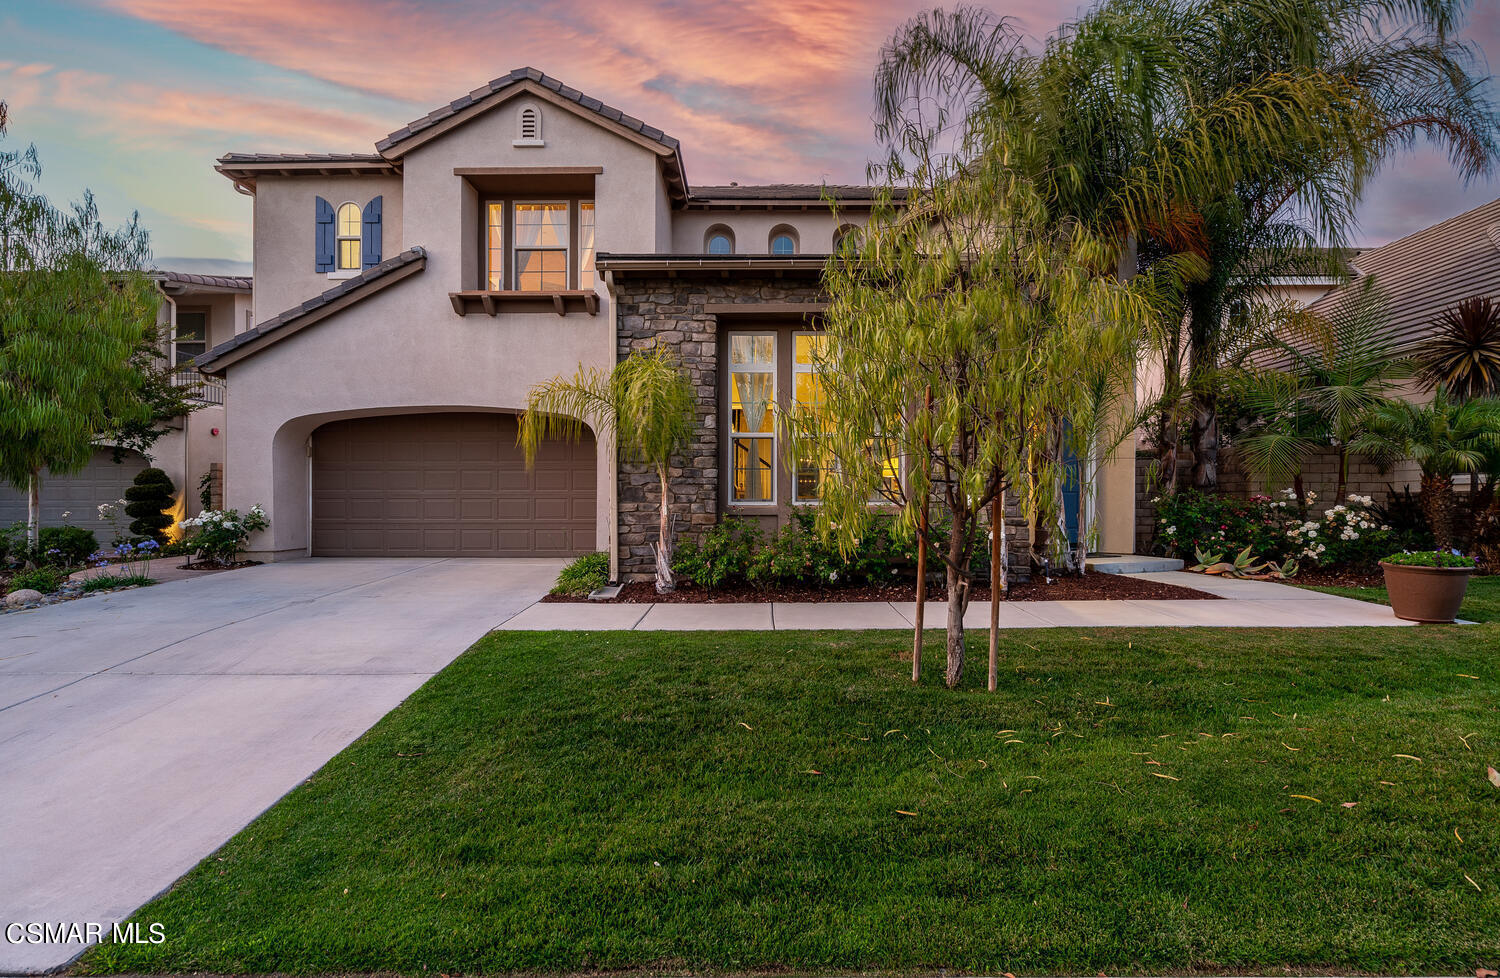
{"x": 1389, "y": 783}
{"x": 1141, "y": 753}
{"x": 906, "y": 813}
{"x": 1465, "y": 675}
{"x": 1465, "y": 739}
{"x": 1472, "y": 883}
{"x": 1409, "y": 757}
{"x": 1103, "y": 702}
{"x": 1456, "y": 835}
{"x": 1289, "y": 747}
{"x": 746, "y": 725}
{"x": 981, "y": 762}
{"x": 1350, "y": 804}
{"x": 1157, "y": 763}
{"x": 1309, "y": 798}
{"x": 812, "y": 771}
{"x": 1008, "y": 975}
{"x": 1015, "y": 741}
{"x": 1486, "y": 973}
{"x": 889, "y": 732}
{"x": 999, "y": 732}
{"x": 1494, "y": 776}
{"x": 1158, "y": 774}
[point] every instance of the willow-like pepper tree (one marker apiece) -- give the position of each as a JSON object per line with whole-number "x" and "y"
{"x": 76, "y": 309}
{"x": 964, "y": 287}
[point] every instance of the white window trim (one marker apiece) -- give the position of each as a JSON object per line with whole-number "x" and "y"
{"x": 566, "y": 249}
{"x": 177, "y": 360}
{"x": 732, "y": 435}
{"x": 593, "y": 208}
{"x": 339, "y": 239}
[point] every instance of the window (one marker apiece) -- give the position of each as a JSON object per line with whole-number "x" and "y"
{"x": 541, "y": 247}
{"x": 528, "y": 127}
{"x": 812, "y": 464}
{"x": 348, "y": 237}
{"x": 585, "y": 244}
{"x": 718, "y": 240}
{"x": 190, "y": 341}
{"x": 752, "y": 426}
{"x": 494, "y": 246}
{"x": 783, "y": 240}
{"x": 846, "y": 240}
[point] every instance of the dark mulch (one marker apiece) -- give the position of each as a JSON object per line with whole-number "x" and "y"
{"x": 1090, "y": 587}
{"x": 205, "y": 565}
{"x": 1339, "y": 578}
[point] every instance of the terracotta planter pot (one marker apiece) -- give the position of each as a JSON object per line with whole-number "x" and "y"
{"x": 1426, "y": 594}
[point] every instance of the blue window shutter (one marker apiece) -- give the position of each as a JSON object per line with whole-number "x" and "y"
{"x": 370, "y": 239}
{"x": 323, "y": 240}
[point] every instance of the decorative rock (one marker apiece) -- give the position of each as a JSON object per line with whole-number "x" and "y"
{"x": 24, "y": 596}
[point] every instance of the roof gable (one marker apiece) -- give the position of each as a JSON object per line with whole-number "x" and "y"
{"x": 530, "y": 81}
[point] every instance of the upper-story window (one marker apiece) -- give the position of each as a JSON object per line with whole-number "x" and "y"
{"x": 585, "y": 244}
{"x": 347, "y": 239}
{"x": 348, "y": 236}
{"x": 541, "y": 247}
{"x": 783, "y": 240}
{"x": 190, "y": 338}
{"x": 528, "y": 126}
{"x": 846, "y": 240}
{"x": 719, "y": 241}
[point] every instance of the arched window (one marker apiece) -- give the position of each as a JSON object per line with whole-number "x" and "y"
{"x": 348, "y": 237}
{"x": 846, "y": 239}
{"x": 783, "y": 240}
{"x": 529, "y": 126}
{"x": 718, "y": 240}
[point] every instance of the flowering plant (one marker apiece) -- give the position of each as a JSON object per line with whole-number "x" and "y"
{"x": 134, "y": 559}
{"x": 219, "y": 535}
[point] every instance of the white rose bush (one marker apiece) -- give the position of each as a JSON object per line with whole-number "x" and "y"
{"x": 219, "y": 536}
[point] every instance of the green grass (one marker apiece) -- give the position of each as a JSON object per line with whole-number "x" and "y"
{"x": 559, "y": 802}
{"x": 1481, "y": 601}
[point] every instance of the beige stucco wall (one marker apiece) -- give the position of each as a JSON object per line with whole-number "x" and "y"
{"x": 285, "y": 226}
{"x": 404, "y": 349}
{"x": 752, "y": 229}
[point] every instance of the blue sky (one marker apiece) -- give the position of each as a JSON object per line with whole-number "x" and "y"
{"x": 134, "y": 99}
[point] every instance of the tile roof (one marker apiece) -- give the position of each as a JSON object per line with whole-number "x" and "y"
{"x": 371, "y": 280}
{"x": 546, "y": 81}
{"x": 330, "y": 158}
{"x": 236, "y": 283}
{"x": 785, "y": 191}
{"x": 1425, "y": 273}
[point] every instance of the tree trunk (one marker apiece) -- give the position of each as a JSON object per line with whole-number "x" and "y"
{"x": 958, "y": 603}
{"x": 664, "y": 581}
{"x": 1338, "y": 495}
{"x": 997, "y": 555}
{"x": 1205, "y": 443}
{"x": 916, "y": 638}
{"x": 34, "y": 509}
{"x": 1437, "y": 505}
{"x": 1299, "y": 489}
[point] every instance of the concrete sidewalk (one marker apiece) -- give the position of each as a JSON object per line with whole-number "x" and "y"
{"x": 1245, "y": 604}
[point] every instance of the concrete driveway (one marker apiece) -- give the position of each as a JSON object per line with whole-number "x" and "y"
{"x": 139, "y": 731}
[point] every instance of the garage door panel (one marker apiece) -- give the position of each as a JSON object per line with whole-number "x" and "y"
{"x": 79, "y": 495}
{"x": 448, "y": 485}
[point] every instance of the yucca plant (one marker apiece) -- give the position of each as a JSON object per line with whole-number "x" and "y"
{"x": 646, "y": 403}
{"x": 1445, "y": 437}
{"x": 1462, "y": 354}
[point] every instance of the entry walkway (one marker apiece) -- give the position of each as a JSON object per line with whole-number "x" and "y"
{"x": 1245, "y": 604}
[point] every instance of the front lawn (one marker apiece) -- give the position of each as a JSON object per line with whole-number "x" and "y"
{"x": 1130, "y": 801}
{"x": 1481, "y": 602}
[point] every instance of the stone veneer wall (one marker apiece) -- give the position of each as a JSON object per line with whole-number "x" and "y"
{"x": 671, "y": 310}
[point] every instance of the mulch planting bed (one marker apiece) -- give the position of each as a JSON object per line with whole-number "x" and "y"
{"x": 1339, "y": 578}
{"x": 1090, "y": 587}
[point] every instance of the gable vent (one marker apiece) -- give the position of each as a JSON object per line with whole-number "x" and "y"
{"x": 529, "y": 127}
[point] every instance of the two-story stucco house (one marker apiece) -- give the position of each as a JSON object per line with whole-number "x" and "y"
{"x": 411, "y": 297}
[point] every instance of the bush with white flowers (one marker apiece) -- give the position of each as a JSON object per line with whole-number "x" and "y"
{"x": 219, "y": 535}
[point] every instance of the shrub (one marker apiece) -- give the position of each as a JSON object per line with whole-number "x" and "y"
{"x": 43, "y": 579}
{"x": 1348, "y": 535}
{"x": 721, "y": 556}
{"x": 220, "y": 535}
{"x": 797, "y": 555}
{"x": 1189, "y": 521}
{"x": 12, "y": 544}
{"x": 1430, "y": 558}
{"x": 146, "y": 502}
{"x": 66, "y": 546}
{"x": 583, "y": 575}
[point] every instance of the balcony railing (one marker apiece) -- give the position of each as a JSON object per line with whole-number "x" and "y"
{"x": 208, "y": 390}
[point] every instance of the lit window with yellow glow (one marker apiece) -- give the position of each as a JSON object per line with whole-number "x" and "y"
{"x": 348, "y": 237}
{"x": 494, "y": 247}
{"x": 752, "y": 424}
{"x": 541, "y": 247}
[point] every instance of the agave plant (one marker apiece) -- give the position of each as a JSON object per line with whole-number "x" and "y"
{"x": 1463, "y": 353}
{"x": 1243, "y": 566}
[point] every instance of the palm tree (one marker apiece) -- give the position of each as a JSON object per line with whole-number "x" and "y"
{"x": 1463, "y": 352}
{"x": 1444, "y": 437}
{"x": 646, "y": 403}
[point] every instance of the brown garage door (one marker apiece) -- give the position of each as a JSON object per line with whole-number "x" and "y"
{"x": 452, "y": 485}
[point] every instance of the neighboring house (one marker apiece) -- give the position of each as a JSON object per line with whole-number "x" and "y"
{"x": 412, "y": 297}
{"x": 196, "y": 312}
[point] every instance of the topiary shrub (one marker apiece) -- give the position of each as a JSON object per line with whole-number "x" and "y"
{"x": 145, "y": 501}
{"x": 66, "y": 546}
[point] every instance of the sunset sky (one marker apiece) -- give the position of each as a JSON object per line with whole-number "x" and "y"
{"x": 136, "y": 98}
